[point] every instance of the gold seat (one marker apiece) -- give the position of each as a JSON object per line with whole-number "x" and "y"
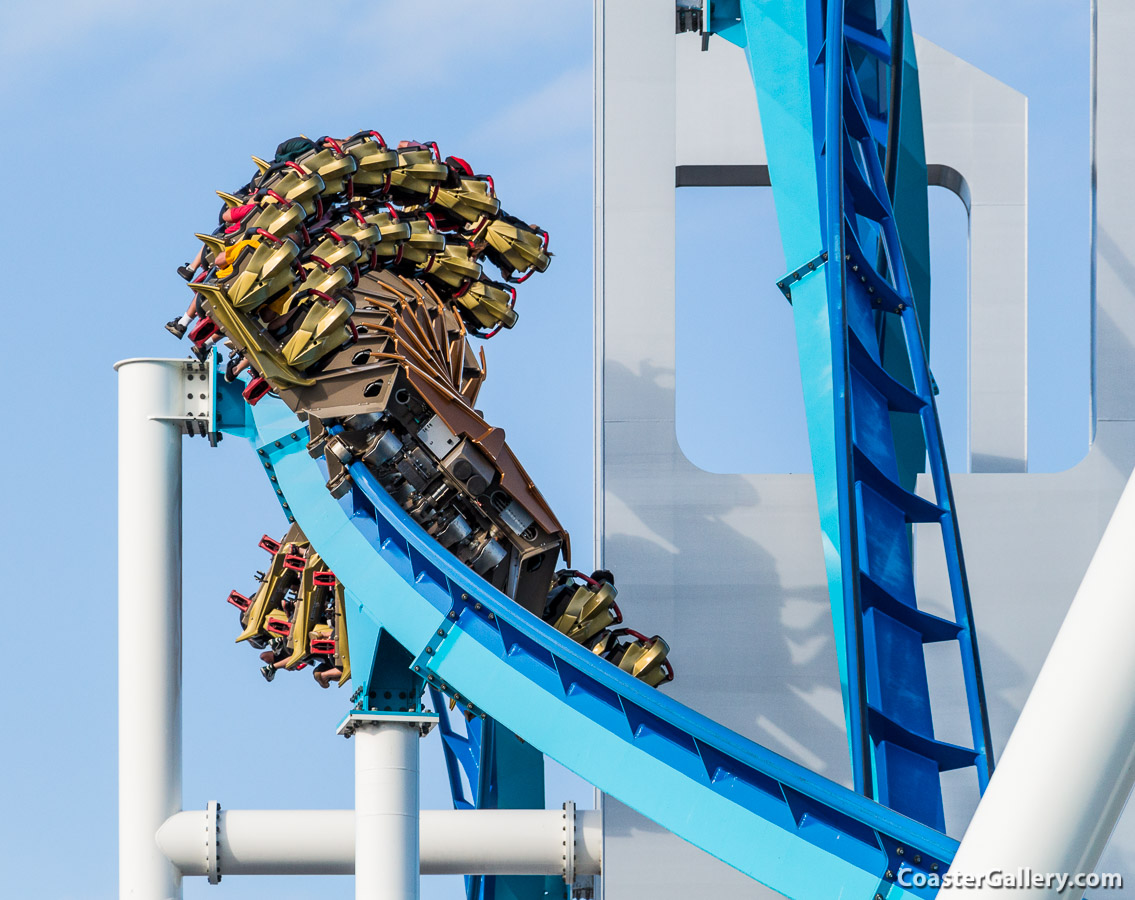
{"x": 472, "y": 200}
{"x": 590, "y": 610}
{"x": 323, "y": 330}
{"x": 297, "y": 185}
{"x": 342, "y": 252}
{"x": 374, "y": 158}
{"x": 263, "y": 274}
{"x": 278, "y": 219}
{"x": 273, "y": 589}
{"x": 321, "y": 640}
{"x": 342, "y": 649}
{"x": 310, "y": 599}
{"x": 644, "y": 658}
{"x": 418, "y": 171}
{"x": 423, "y": 241}
{"x": 393, "y": 231}
{"x": 278, "y": 623}
{"x": 318, "y": 280}
{"x": 516, "y": 247}
{"x": 453, "y": 266}
{"x": 489, "y": 303}
{"x": 333, "y": 166}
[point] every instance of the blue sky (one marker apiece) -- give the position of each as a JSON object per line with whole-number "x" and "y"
{"x": 122, "y": 118}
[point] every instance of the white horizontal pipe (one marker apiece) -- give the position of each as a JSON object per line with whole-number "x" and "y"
{"x": 1070, "y": 763}
{"x": 322, "y": 842}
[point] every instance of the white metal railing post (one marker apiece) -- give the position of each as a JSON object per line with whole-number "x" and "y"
{"x": 149, "y": 622}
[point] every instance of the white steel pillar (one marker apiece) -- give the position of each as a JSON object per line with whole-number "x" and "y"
{"x": 387, "y": 851}
{"x": 1070, "y": 763}
{"x": 149, "y": 622}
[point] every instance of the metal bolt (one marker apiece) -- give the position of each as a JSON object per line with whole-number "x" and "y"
{"x": 934, "y": 867}
{"x": 430, "y": 677}
{"x": 453, "y": 615}
{"x": 491, "y": 616}
{"x": 278, "y": 444}
{"x": 417, "y": 668}
{"x": 429, "y": 649}
{"x": 889, "y": 875}
{"x": 476, "y": 606}
{"x": 899, "y": 851}
{"x": 440, "y": 633}
{"x": 917, "y": 858}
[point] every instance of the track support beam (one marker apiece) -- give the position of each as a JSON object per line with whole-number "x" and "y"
{"x": 387, "y": 850}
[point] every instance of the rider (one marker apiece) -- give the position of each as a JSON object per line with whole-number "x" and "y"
{"x": 230, "y": 219}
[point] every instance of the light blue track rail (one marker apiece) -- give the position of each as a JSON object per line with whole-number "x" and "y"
{"x": 783, "y": 825}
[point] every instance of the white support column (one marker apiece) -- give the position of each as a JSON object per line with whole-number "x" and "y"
{"x": 386, "y": 811}
{"x": 149, "y": 622}
{"x": 1070, "y": 763}
{"x": 387, "y": 848}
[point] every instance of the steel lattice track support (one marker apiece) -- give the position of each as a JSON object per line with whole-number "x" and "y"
{"x": 834, "y": 133}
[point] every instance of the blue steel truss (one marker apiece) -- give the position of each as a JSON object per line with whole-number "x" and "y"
{"x": 501, "y": 772}
{"x": 837, "y": 88}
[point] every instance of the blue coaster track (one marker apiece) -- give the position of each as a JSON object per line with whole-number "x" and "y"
{"x": 772, "y": 819}
{"x": 837, "y": 85}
